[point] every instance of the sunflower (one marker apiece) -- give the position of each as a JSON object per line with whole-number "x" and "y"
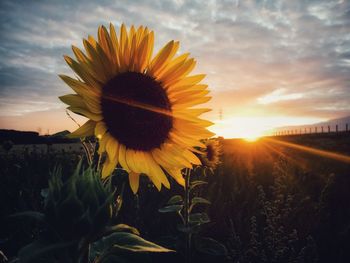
{"x": 142, "y": 109}
{"x": 211, "y": 155}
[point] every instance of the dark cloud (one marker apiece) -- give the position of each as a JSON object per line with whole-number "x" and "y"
{"x": 249, "y": 49}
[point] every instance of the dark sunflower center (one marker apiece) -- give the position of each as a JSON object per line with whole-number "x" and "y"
{"x": 210, "y": 153}
{"x": 134, "y": 108}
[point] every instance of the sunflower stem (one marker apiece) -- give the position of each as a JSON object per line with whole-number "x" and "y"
{"x": 87, "y": 152}
{"x": 187, "y": 214}
{"x": 70, "y": 117}
{"x": 99, "y": 162}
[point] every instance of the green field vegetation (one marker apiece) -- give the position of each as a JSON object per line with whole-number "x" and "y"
{"x": 269, "y": 203}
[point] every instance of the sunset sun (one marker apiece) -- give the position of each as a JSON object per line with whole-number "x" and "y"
{"x": 251, "y": 138}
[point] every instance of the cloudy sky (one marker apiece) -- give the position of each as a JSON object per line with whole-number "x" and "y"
{"x": 268, "y": 63}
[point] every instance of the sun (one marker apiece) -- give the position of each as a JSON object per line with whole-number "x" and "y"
{"x": 250, "y": 128}
{"x": 251, "y": 138}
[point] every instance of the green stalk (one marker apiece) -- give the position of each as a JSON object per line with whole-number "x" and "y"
{"x": 187, "y": 214}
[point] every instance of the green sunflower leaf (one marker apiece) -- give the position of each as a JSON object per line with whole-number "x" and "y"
{"x": 134, "y": 243}
{"x": 199, "y": 218}
{"x": 198, "y": 200}
{"x": 170, "y": 208}
{"x": 122, "y": 228}
{"x": 175, "y": 199}
{"x": 197, "y": 183}
{"x": 125, "y": 242}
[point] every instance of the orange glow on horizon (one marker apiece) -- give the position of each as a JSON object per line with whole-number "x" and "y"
{"x": 253, "y": 127}
{"x": 252, "y": 139}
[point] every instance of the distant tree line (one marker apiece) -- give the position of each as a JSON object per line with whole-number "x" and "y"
{"x": 29, "y": 137}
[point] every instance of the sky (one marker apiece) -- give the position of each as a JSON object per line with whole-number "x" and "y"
{"x": 268, "y": 63}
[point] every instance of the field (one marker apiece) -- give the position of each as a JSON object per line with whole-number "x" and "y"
{"x": 270, "y": 202}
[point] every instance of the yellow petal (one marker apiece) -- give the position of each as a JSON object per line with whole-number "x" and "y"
{"x": 178, "y": 155}
{"x": 100, "y": 129}
{"x": 156, "y": 171}
{"x": 92, "y": 41}
{"x": 163, "y": 56}
{"x": 95, "y": 72}
{"x": 175, "y": 62}
{"x": 79, "y": 87}
{"x": 73, "y": 100}
{"x": 178, "y": 71}
{"x": 122, "y": 156}
{"x": 187, "y": 95}
{"x": 140, "y": 60}
{"x": 155, "y": 179}
{"x": 173, "y": 89}
{"x": 191, "y": 157}
{"x": 139, "y": 35}
{"x": 177, "y": 175}
{"x": 90, "y": 49}
{"x": 108, "y": 167}
{"x": 99, "y": 60}
{"x": 93, "y": 104}
{"x": 87, "y": 129}
{"x": 115, "y": 43}
{"x": 156, "y": 182}
{"x": 134, "y": 181}
{"x": 131, "y": 32}
{"x": 190, "y": 103}
{"x": 102, "y": 35}
{"x": 112, "y": 147}
{"x": 83, "y": 73}
{"x": 206, "y": 123}
{"x": 195, "y": 130}
{"x": 191, "y": 80}
{"x": 102, "y": 143}
{"x": 124, "y": 52}
{"x": 85, "y": 112}
{"x": 130, "y": 160}
{"x": 133, "y": 51}
{"x": 150, "y": 48}
{"x": 142, "y": 162}
{"x": 192, "y": 112}
{"x": 80, "y": 55}
{"x": 185, "y": 141}
{"x": 187, "y": 126}
{"x": 109, "y": 49}
{"x": 159, "y": 157}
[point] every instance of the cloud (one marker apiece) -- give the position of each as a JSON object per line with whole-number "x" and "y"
{"x": 249, "y": 49}
{"x": 278, "y": 95}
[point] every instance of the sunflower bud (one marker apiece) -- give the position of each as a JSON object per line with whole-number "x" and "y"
{"x": 80, "y": 206}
